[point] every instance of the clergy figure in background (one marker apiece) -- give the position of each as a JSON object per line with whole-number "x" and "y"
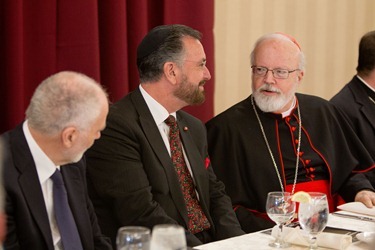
{"x": 47, "y": 204}
{"x": 357, "y": 98}
{"x": 150, "y": 166}
{"x": 279, "y": 140}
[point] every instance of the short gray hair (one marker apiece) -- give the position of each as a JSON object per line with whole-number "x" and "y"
{"x": 65, "y": 99}
{"x": 279, "y": 36}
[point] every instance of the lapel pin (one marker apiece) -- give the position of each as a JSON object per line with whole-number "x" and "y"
{"x": 186, "y": 128}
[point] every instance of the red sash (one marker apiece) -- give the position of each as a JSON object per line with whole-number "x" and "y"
{"x": 311, "y": 186}
{"x": 321, "y": 186}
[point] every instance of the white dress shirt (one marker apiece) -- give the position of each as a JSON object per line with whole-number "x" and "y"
{"x": 45, "y": 169}
{"x": 159, "y": 113}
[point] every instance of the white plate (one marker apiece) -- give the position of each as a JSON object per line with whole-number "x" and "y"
{"x": 368, "y": 237}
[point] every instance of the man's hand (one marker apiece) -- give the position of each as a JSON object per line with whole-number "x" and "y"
{"x": 367, "y": 197}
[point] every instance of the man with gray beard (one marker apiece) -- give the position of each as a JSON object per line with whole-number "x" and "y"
{"x": 280, "y": 140}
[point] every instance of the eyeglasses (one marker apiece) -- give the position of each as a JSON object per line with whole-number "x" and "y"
{"x": 277, "y": 73}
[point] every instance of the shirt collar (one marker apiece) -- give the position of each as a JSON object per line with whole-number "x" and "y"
{"x": 44, "y": 165}
{"x": 158, "y": 112}
{"x": 365, "y": 83}
{"x": 289, "y": 111}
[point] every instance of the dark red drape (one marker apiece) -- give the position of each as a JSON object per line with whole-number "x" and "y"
{"x": 98, "y": 38}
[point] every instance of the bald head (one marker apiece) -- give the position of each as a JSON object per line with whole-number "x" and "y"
{"x": 65, "y": 99}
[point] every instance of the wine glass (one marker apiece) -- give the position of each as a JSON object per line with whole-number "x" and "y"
{"x": 168, "y": 237}
{"x": 133, "y": 238}
{"x": 313, "y": 216}
{"x": 280, "y": 208}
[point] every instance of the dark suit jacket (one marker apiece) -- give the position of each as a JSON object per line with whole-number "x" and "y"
{"x": 27, "y": 219}
{"x": 354, "y": 101}
{"x": 132, "y": 180}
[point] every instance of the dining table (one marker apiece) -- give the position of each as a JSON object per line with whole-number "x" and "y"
{"x": 341, "y": 223}
{"x": 260, "y": 241}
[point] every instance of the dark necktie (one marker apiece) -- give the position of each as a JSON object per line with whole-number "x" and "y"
{"x": 64, "y": 217}
{"x": 197, "y": 219}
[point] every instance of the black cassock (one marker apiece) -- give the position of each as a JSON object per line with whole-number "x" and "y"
{"x": 330, "y": 151}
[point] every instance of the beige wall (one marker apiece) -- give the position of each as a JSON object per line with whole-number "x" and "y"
{"x": 327, "y": 30}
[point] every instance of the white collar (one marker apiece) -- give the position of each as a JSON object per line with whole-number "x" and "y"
{"x": 158, "y": 112}
{"x": 287, "y": 113}
{"x": 364, "y": 82}
{"x": 44, "y": 165}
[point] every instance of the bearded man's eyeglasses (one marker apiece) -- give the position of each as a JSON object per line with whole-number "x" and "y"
{"x": 277, "y": 73}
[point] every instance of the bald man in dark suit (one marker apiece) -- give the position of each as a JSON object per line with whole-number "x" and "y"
{"x": 54, "y": 136}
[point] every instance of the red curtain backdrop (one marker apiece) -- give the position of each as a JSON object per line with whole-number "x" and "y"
{"x": 98, "y": 38}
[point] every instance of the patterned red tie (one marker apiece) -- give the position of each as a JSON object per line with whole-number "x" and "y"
{"x": 198, "y": 221}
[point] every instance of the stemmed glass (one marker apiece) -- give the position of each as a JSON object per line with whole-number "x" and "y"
{"x": 280, "y": 208}
{"x": 313, "y": 216}
{"x": 133, "y": 238}
{"x": 168, "y": 237}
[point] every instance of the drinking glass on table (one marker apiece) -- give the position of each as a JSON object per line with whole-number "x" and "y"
{"x": 280, "y": 208}
{"x": 168, "y": 237}
{"x": 133, "y": 238}
{"x": 313, "y": 216}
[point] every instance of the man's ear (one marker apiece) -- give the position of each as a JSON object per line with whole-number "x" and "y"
{"x": 300, "y": 76}
{"x": 170, "y": 69}
{"x": 69, "y": 135}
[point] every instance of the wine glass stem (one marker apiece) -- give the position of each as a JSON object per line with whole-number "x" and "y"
{"x": 313, "y": 243}
{"x": 279, "y": 238}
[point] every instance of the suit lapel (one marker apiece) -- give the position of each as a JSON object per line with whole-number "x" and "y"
{"x": 362, "y": 99}
{"x": 29, "y": 183}
{"x": 153, "y": 136}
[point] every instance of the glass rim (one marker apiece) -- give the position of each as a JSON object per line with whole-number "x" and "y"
{"x": 316, "y": 194}
{"x": 134, "y": 229}
{"x": 167, "y": 225}
{"x": 279, "y": 192}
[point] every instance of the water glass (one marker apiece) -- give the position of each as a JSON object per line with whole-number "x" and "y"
{"x": 313, "y": 216}
{"x": 280, "y": 208}
{"x": 168, "y": 237}
{"x": 133, "y": 238}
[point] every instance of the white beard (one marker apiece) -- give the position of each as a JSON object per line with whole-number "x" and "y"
{"x": 272, "y": 103}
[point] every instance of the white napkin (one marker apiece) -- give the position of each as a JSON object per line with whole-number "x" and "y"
{"x": 357, "y": 207}
{"x": 349, "y": 223}
{"x": 329, "y": 240}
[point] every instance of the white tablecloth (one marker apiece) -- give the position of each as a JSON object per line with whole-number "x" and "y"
{"x": 259, "y": 241}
